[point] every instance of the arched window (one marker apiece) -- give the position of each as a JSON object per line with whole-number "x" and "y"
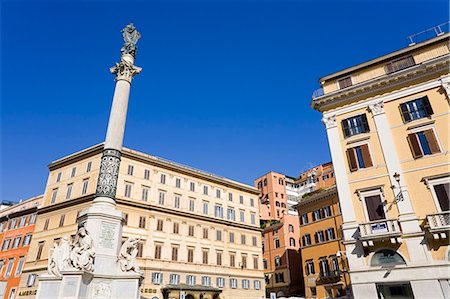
{"x": 386, "y": 257}
{"x": 277, "y": 203}
{"x": 283, "y": 205}
{"x": 292, "y": 241}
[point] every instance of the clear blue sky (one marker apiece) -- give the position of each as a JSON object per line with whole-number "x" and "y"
{"x": 225, "y": 87}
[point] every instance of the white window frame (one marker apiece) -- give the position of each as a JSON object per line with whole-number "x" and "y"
{"x": 431, "y": 183}
{"x": 174, "y": 279}
{"x": 157, "y": 278}
{"x": 373, "y": 192}
{"x": 417, "y": 129}
{"x": 220, "y": 282}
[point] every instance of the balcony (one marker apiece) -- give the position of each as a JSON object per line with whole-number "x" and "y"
{"x": 439, "y": 224}
{"x": 317, "y": 93}
{"x": 331, "y": 276}
{"x": 379, "y": 230}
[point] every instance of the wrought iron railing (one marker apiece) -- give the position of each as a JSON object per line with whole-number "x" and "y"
{"x": 317, "y": 93}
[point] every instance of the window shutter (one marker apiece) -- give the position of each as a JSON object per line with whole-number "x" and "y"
{"x": 345, "y": 128}
{"x": 352, "y": 159}
{"x": 365, "y": 124}
{"x": 432, "y": 142}
{"x": 414, "y": 144}
{"x": 366, "y": 155}
{"x": 405, "y": 113}
{"x": 442, "y": 193}
{"x": 316, "y": 238}
{"x": 427, "y": 106}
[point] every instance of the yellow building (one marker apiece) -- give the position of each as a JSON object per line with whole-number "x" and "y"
{"x": 387, "y": 122}
{"x": 199, "y": 232}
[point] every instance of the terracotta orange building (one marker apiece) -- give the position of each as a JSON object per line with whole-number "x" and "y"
{"x": 17, "y": 226}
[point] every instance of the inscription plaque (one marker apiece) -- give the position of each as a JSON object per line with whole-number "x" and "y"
{"x": 107, "y": 233}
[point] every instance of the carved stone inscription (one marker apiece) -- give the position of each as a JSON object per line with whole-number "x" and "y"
{"x": 107, "y": 233}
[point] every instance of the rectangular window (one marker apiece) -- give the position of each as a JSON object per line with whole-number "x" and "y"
{"x": 254, "y": 241}
{"x": 26, "y": 240}
{"x": 218, "y": 211}
{"x": 159, "y": 225}
{"x": 242, "y": 215}
{"x": 190, "y": 280}
{"x": 128, "y": 187}
{"x": 205, "y": 233}
{"x": 306, "y": 240}
{"x": 69, "y": 191}
{"x": 158, "y": 251}
{"x": 442, "y": 192}
{"x": 54, "y": 194}
{"x": 58, "y": 177}
{"x": 327, "y": 211}
{"x": 277, "y": 243}
{"x": 205, "y": 207}
{"x": 218, "y": 235}
{"x": 130, "y": 170}
{"x": 375, "y": 207}
{"x": 330, "y": 234}
{"x": 241, "y": 199}
{"x": 162, "y": 179}
{"x": 206, "y": 281}
{"x": 320, "y": 237}
{"x": 355, "y": 125}
{"x": 174, "y": 253}
{"x": 32, "y": 219}
{"x": 220, "y": 282}
{"x": 145, "y": 192}
{"x": 19, "y": 266}
{"x": 46, "y": 223}
{"x": 61, "y": 220}
{"x": 31, "y": 280}
{"x": 190, "y": 255}
{"x": 178, "y": 182}
{"x": 219, "y": 258}
{"x": 230, "y": 196}
{"x": 205, "y": 190}
{"x": 174, "y": 279}
{"x": 177, "y": 201}
{"x": 345, "y": 82}
{"x": 231, "y": 214}
{"x": 245, "y": 284}
{"x": 157, "y": 278}
{"x": 310, "y": 267}
{"x": 253, "y": 218}
{"x": 191, "y": 231}
{"x": 243, "y": 239}
{"x": 192, "y": 205}
{"x": 85, "y": 187}
{"x": 232, "y": 260}
{"x": 140, "y": 249}
{"x": 218, "y": 193}
{"x": 205, "y": 257}
{"x": 257, "y": 284}
{"x": 89, "y": 167}
{"x": 161, "y": 197}
{"x": 399, "y": 64}
{"x": 359, "y": 157}
{"x": 22, "y": 221}
{"x": 255, "y": 262}
{"x": 192, "y": 186}
{"x": 39, "y": 251}
{"x": 176, "y": 228}
{"x": 74, "y": 171}
{"x": 423, "y": 143}
{"x": 142, "y": 221}
{"x": 231, "y": 237}
{"x": 252, "y": 202}
{"x": 146, "y": 174}
{"x": 125, "y": 216}
{"x": 16, "y": 242}
{"x": 9, "y": 267}
{"x": 233, "y": 283}
{"x": 416, "y": 109}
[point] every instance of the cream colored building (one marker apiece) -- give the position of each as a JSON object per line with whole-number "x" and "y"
{"x": 199, "y": 232}
{"x": 387, "y": 122}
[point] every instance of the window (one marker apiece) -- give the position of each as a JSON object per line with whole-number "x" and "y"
{"x": 324, "y": 266}
{"x": 158, "y": 251}
{"x": 69, "y": 191}
{"x": 359, "y": 157}
{"x": 85, "y": 186}
{"x": 206, "y": 281}
{"x": 306, "y": 240}
{"x": 128, "y": 187}
{"x": 125, "y": 216}
{"x": 320, "y": 237}
{"x": 146, "y": 174}
{"x": 159, "y": 225}
{"x": 277, "y": 243}
{"x": 231, "y": 214}
{"x": 232, "y": 260}
{"x": 345, "y": 82}
{"x": 130, "y": 170}
{"x": 399, "y": 64}
{"x": 231, "y": 237}
{"x": 218, "y": 211}
{"x": 61, "y": 220}
{"x": 310, "y": 267}
{"x": 218, "y": 235}
{"x": 174, "y": 253}
{"x": 142, "y": 221}
{"x": 355, "y": 125}
{"x": 190, "y": 255}
{"x": 304, "y": 219}
{"x": 442, "y": 192}
{"x": 162, "y": 179}
{"x": 219, "y": 258}
{"x": 192, "y": 186}
{"x": 255, "y": 262}
{"x": 58, "y": 177}
{"x": 205, "y": 233}
{"x": 374, "y": 207}
{"x": 46, "y": 223}
{"x": 291, "y": 241}
{"x": 145, "y": 191}
{"x": 252, "y": 202}
{"x": 242, "y": 215}
{"x": 191, "y": 231}
{"x": 243, "y": 239}
{"x": 218, "y": 193}
{"x": 241, "y": 199}
{"x": 140, "y": 249}
{"x": 220, "y": 282}
{"x": 205, "y": 207}
{"x": 245, "y": 284}
{"x": 176, "y": 228}
{"x": 334, "y": 263}
{"x": 54, "y": 194}
{"x": 89, "y": 166}
{"x": 291, "y": 228}
{"x": 257, "y": 284}
{"x": 31, "y": 280}
{"x": 230, "y": 196}
{"x": 252, "y": 218}
{"x": 233, "y": 283}
{"x": 386, "y": 257}
{"x": 265, "y": 263}
{"x": 330, "y": 234}
{"x": 327, "y": 211}
{"x": 265, "y": 182}
{"x": 177, "y": 201}
{"x": 9, "y": 267}
{"x": 74, "y": 171}
{"x": 416, "y": 109}
{"x": 16, "y": 242}
{"x": 192, "y": 205}
{"x": 277, "y": 261}
{"x": 161, "y": 197}
{"x": 174, "y": 279}
{"x": 205, "y": 190}
{"x": 178, "y": 182}
{"x": 279, "y": 277}
{"x": 423, "y": 143}
{"x": 190, "y": 280}
{"x": 26, "y": 240}
{"x": 254, "y": 241}
{"x": 19, "y": 266}
{"x": 157, "y": 278}
{"x": 205, "y": 257}
{"x": 22, "y": 221}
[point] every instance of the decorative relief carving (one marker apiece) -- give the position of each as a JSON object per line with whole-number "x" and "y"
{"x": 125, "y": 70}
{"x": 109, "y": 173}
{"x": 127, "y": 256}
{"x": 377, "y": 108}
{"x": 101, "y": 290}
{"x": 329, "y": 122}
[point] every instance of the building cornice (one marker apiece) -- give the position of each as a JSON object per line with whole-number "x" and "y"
{"x": 383, "y": 84}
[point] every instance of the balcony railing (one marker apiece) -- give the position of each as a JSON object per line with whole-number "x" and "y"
{"x": 439, "y": 224}
{"x": 330, "y": 276}
{"x": 317, "y": 93}
{"x": 379, "y": 229}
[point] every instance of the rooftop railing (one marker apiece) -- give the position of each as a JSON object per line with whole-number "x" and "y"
{"x": 317, "y": 93}
{"x": 428, "y": 33}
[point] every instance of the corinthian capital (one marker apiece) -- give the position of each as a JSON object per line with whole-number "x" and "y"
{"x": 125, "y": 70}
{"x": 329, "y": 121}
{"x": 377, "y": 108}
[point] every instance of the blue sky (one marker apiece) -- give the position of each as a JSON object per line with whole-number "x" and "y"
{"x": 225, "y": 86}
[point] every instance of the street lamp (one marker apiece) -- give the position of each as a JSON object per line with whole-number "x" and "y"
{"x": 399, "y": 196}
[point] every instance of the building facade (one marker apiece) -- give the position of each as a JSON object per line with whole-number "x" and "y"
{"x": 325, "y": 269}
{"x": 387, "y": 122}
{"x": 17, "y": 223}
{"x": 199, "y": 233}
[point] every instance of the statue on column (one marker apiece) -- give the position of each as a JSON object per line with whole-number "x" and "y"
{"x": 130, "y": 38}
{"x": 127, "y": 256}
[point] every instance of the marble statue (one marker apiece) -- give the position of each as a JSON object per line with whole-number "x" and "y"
{"x": 59, "y": 257}
{"x": 130, "y": 38}
{"x": 127, "y": 256}
{"x": 82, "y": 253}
